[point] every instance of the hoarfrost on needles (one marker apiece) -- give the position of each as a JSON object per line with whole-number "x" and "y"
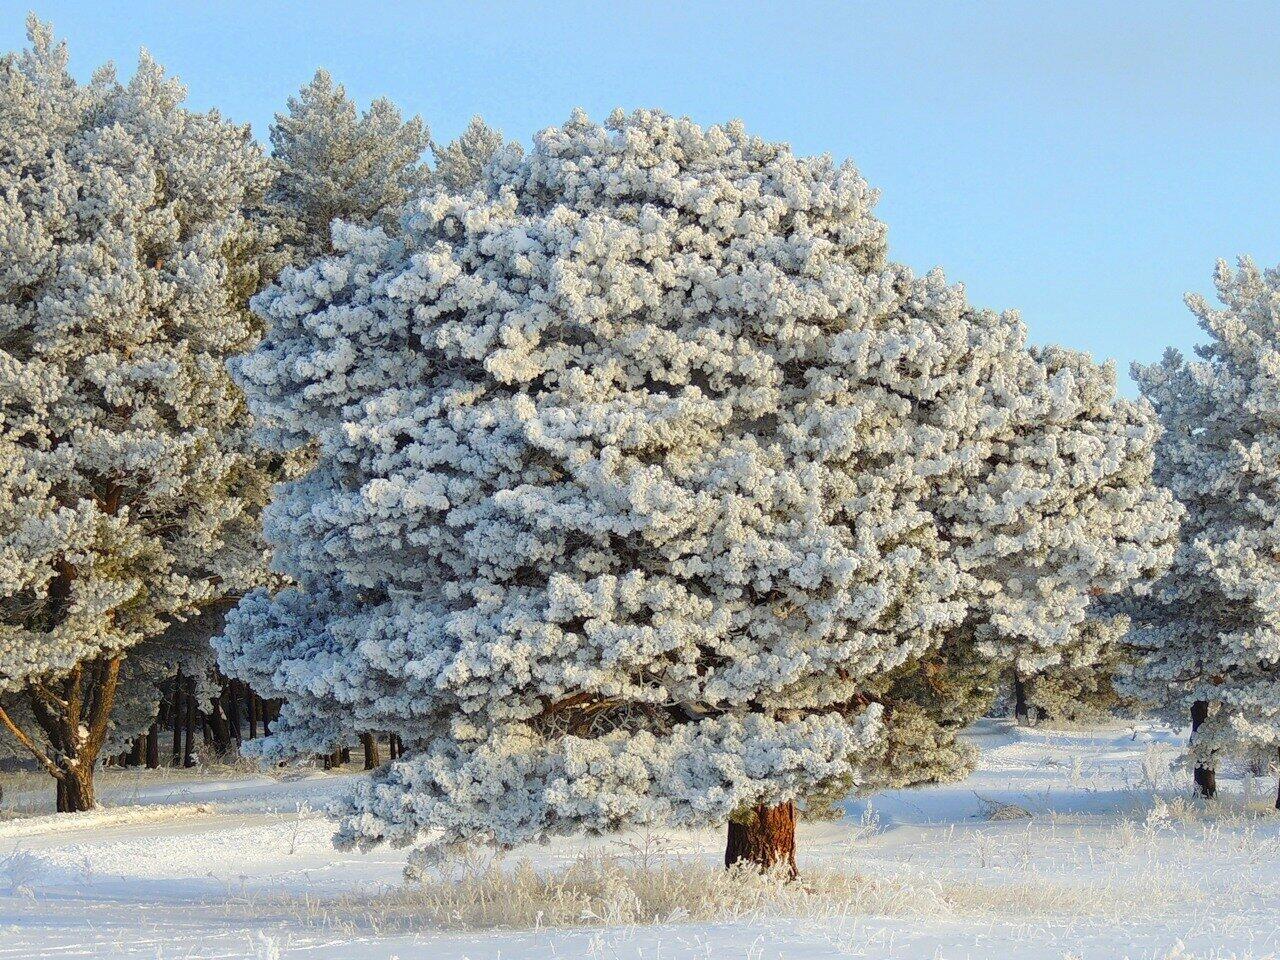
{"x": 129, "y": 489}
{"x": 638, "y": 463}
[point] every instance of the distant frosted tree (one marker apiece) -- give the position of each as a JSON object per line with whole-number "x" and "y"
{"x": 1208, "y": 639}
{"x": 1071, "y": 519}
{"x": 460, "y": 163}
{"x": 128, "y": 491}
{"x": 645, "y": 481}
{"x": 336, "y": 163}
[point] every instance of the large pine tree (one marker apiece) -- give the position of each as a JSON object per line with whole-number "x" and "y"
{"x": 650, "y": 490}
{"x": 128, "y": 491}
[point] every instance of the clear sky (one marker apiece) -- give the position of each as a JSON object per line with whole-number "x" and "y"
{"x": 1082, "y": 162}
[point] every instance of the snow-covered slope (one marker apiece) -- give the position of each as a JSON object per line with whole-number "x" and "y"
{"x": 1110, "y": 862}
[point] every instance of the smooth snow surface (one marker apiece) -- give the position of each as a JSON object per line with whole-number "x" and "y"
{"x": 1112, "y": 862}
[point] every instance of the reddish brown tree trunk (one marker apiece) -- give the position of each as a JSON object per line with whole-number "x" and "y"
{"x": 75, "y": 791}
{"x": 764, "y": 837}
{"x": 75, "y": 719}
{"x": 74, "y": 716}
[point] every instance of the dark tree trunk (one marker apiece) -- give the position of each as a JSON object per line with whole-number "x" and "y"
{"x": 218, "y": 727}
{"x": 1278, "y": 791}
{"x": 189, "y": 745}
{"x": 75, "y": 719}
{"x": 153, "y": 747}
{"x": 764, "y": 837}
{"x": 372, "y": 758}
{"x": 1206, "y": 778}
{"x": 178, "y": 713}
{"x": 231, "y": 697}
{"x": 253, "y": 713}
{"x": 1021, "y": 709}
{"x": 139, "y": 754}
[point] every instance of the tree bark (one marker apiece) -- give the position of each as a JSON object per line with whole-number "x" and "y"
{"x": 75, "y": 790}
{"x": 218, "y": 726}
{"x": 764, "y": 837}
{"x": 153, "y": 747}
{"x": 1021, "y": 709}
{"x": 1206, "y": 778}
{"x": 189, "y": 743}
{"x": 178, "y": 714}
{"x": 74, "y": 714}
{"x": 372, "y": 759}
{"x": 231, "y": 696}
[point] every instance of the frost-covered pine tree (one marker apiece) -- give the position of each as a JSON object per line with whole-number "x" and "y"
{"x": 1071, "y": 519}
{"x": 128, "y": 490}
{"x": 642, "y": 474}
{"x": 335, "y": 163}
{"x": 1208, "y": 638}
{"x": 459, "y": 164}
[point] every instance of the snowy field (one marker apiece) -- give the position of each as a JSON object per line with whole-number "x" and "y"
{"x": 1063, "y": 845}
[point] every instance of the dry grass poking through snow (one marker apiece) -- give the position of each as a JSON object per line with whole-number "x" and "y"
{"x": 594, "y": 890}
{"x": 613, "y": 891}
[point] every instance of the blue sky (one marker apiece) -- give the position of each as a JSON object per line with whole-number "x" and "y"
{"x": 1084, "y": 163}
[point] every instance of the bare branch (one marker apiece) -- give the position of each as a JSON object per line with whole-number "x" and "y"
{"x": 30, "y": 744}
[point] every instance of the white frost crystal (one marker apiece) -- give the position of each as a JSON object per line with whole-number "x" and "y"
{"x": 1210, "y": 631}
{"x": 638, "y": 461}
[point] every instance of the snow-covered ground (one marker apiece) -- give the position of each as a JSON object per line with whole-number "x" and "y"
{"x": 1112, "y": 862}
